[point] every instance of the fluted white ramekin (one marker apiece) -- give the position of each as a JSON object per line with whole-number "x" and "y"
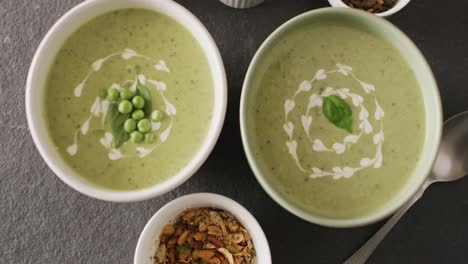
{"x": 241, "y": 3}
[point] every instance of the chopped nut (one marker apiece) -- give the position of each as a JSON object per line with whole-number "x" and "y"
{"x": 246, "y": 234}
{"x": 184, "y": 256}
{"x": 183, "y": 238}
{"x": 236, "y": 238}
{"x": 205, "y": 236}
{"x": 164, "y": 238}
{"x": 214, "y": 260}
{"x": 168, "y": 229}
{"x": 199, "y": 236}
{"x": 206, "y": 220}
{"x": 172, "y": 241}
{"x": 218, "y": 221}
{"x": 227, "y": 215}
{"x": 215, "y": 231}
{"x": 215, "y": 241}
{"x": 227, "y": 255}
{"x": 249, "y": 244}
{"x": 209, "y": 246}
{"x": 171, "y": 255}
{"x": 234, "y": 248}
{"x": 190, "y": 214}
{"x": 179, "y": 229}
{"x": 196, "y": 221}
{"x": 197, "y": 244}
{"x": 202, "y": 227}
{"x": 190, "y": 240}
{"x": 161, "y": 254}
{"x": 202, "y": 254}
{"x": 233, "y": 227}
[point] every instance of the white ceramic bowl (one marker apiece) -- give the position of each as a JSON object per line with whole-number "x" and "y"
{"x": 149, "y": 238}
{"x": 399, "y": 5}
{"x": 49, "y": 46}
{"x": 429, "y": 91}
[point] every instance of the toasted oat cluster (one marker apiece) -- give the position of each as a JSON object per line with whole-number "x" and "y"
{"x": 205, "y": 236}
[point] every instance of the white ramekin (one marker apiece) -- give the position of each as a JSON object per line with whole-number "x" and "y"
{"x": 149, "y": 238}
{"x": 52, "y": 42}
{"x": 241, "y": 3}
{"x": 399, "y": 5}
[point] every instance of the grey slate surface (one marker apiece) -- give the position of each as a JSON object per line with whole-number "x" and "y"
{"x": 44, "y": 221}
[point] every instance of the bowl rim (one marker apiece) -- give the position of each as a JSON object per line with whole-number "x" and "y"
{"x": 398, "y": 6}
{"x": 206, "y": 200}
{"x": 43, "y": 142}
{"x": 386, "y": 210}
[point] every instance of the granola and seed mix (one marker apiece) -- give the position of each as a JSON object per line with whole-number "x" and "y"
{"x": 371, "y": 6}
{"x": 205, "y": 236}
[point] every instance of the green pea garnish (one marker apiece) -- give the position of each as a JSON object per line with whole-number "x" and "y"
{"x": 136, "y": 136}
{"x": 144, "y": 125}
{"x": 125, "y": 107}
{"x": 113, "y": 94}
{"x": 126, "y": 94}
{"x": 130, "y": 125}
{"x": 157, "y": 115}
{"x": 103, "y": 93}
{"x": 149, "y": 138}
{"x": 138, "y": 102}
{"x": 138, "y": 114}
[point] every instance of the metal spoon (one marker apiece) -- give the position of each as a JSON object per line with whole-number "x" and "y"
{"x": 451, "y": 164}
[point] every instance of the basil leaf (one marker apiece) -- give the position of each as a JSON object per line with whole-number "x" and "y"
{"x": 117, "y": 125}
{"x": 144, "y": 92}
{"x": 338, "y": 112}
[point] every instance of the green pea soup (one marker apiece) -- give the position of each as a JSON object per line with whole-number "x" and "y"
{"x": 329, "y": 111}
{"x": 112, "y": 52}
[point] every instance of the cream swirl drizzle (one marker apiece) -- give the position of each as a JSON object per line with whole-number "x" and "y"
{"x": 100, "y": 107}
{"x": 339, "y": 147}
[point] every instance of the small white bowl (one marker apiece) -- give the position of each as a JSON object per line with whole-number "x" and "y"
{"x": 399, "y": 5}
{"x": 149, "y": 238}
{"x": 50, "y": 45}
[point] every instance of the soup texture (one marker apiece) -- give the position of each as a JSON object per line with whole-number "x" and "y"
{"x": 334, "y": 119}
{"x": 114, "y": 51}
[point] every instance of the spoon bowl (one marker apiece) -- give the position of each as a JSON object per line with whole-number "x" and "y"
{"x": 451, "y": 164}
{"x": 452, "y": 161}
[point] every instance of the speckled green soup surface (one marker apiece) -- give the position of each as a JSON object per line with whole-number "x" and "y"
{"x": 111, "y": 50}
{"x": 334, "y": 118}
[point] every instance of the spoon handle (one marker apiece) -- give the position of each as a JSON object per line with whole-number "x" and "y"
{"x": 361, "y": 256}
